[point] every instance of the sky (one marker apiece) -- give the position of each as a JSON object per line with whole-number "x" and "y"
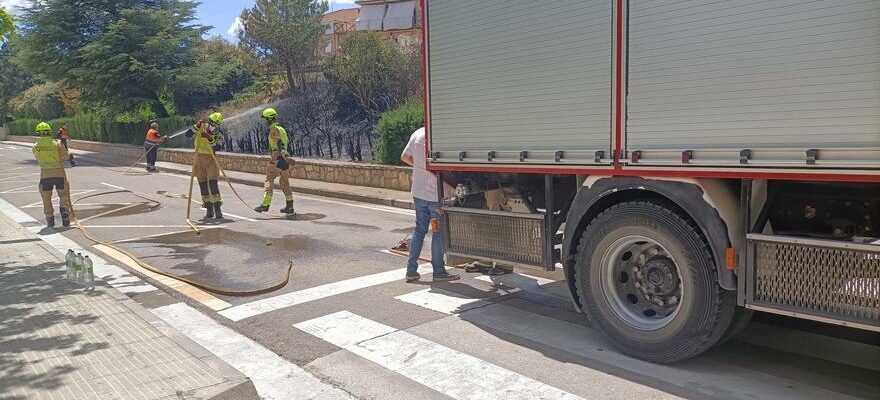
{"x": 222, "y": 15}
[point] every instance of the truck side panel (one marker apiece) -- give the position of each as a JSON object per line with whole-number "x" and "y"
{"x": 519, "y": 76}
{"x": 775, "y": 79}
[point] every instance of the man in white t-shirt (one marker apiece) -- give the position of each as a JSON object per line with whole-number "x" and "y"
{"x": 424, "y": 191}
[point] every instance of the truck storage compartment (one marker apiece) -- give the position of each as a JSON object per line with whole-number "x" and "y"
{"x": 826, "y": 280}
{"x": 519, "y": 82}
{"x": 787, "y": 83}
{"x": 507, "y": 237}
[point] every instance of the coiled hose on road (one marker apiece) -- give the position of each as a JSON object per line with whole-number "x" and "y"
{"x": 204, "y": 286}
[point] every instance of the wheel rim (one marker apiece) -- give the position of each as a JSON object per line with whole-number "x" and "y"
{"x": 641, "y": 282}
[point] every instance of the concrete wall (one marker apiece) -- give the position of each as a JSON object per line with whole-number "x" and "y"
{"x": 371, "y": 175}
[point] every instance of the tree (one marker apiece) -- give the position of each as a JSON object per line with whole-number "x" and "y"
{"x": 365, "y": 70}
{"x": 285, "y": 31}
{"x": 7, "y": 25}
{"x": 221, "y": 70}
{"x": 14, "y": 79}
{"x": 121, "y": 54}
{"x": 134, "y": 61}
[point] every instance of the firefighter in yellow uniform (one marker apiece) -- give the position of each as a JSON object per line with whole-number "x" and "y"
{"x": 51, "y": 156}
{"x": 206, "y": 140}
{"x": 279, "y": 164}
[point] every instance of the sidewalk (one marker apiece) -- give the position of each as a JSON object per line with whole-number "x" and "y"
{"x": 61, "y": 342}
{"x": 387, "y": 197}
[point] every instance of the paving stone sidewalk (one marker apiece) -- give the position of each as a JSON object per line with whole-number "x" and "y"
{"x": 58, "y": 341}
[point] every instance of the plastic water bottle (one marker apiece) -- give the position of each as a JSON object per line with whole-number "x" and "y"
{"x": 69, "y": 259}
{"x": 89, "y": 272}
{"x": 78, "y": 268}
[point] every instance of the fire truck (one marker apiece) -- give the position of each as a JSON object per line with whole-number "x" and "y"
{"x": 686, "y": 163}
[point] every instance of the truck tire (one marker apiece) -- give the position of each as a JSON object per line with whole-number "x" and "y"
{"x": 647, "y": 279}
{"x": 738, "y": 324}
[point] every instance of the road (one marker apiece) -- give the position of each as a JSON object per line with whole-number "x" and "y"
{"x": 346, "y": 325}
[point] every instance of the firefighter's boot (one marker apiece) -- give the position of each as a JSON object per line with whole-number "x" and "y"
{"x": 262, "y": 208}
{"x": 210, "y": 213}
{"x": 50, "y": 221}
{"x": 65, "y": 218}
{"x": 289, "y": 209}
{"x": 218, "y": 214}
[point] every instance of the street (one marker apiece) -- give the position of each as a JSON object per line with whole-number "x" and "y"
{"x": 346, "y": 325}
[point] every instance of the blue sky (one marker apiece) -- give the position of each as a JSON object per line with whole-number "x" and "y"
{"x": 220, "y": 14}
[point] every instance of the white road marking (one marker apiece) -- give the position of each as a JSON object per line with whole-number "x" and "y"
{"x": 18, "y": 175}
{"x": 274, "y": 377}
{"x": 517, "y": 280}
{"x": 443, "y": 369}
{"x": 376, "y": 208}
{"x": 442, "y": 301}
{"x": 113, "y": 186}
{"x": 702, "y": 374}
{"x": 247, "y": 310}
{"x": 113, "y": 275}
{"x": 133, "y": 226}
{"x": 158, "y": 235}
{"x": 30, "y": 189}
{"x": 110, "y": 211}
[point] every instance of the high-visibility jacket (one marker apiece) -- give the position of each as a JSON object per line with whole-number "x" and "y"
{"x": 204, "y": 140}
{"x": 50, "y": 155}
{"x": 276, "y": 132}
{"x": 152, "y": 137}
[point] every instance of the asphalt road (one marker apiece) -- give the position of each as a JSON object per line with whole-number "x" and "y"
{"x": 347, "y": 317}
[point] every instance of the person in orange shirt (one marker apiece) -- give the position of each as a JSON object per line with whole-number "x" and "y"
{"x": 151, "y": 145}
{"x": 63, "y": 136}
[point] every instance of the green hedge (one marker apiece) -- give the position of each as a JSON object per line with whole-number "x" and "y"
{"x": 94, "y": 128}
{"x": 394, "y": 129}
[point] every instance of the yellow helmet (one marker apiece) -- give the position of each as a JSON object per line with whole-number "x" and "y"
{"x": 270, "y": 113}
{"x": 44, "y": 128}
{"x": 216, "y": 118}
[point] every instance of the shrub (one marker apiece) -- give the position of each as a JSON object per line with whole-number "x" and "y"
{"x": 99, "y": 129}
{"x": 394, "y": 129}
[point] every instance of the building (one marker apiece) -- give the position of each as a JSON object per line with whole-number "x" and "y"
{"x": 396, "y": 20}
{"x": 336, "y": 25}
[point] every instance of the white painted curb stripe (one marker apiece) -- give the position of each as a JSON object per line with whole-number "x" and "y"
{"x": 113, "y": 275}
{"x": 442, "y": 301}
{"x": 290, "y": 299}
{"x": 274, "y": 377}
{"x": 445, "y": 370}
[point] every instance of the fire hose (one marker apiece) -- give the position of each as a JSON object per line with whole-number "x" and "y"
{"x": 204, "y": 286}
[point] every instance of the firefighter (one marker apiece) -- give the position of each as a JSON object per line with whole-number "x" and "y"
{"x": 207, "y": 140}
{"x": 51, "y": 155}
{"x": 63, "y": 135}
{"x": 279, "y": 164}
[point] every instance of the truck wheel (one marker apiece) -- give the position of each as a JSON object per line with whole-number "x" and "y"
{"x": 647, "y": 279}
{"x": 738, "y": 324}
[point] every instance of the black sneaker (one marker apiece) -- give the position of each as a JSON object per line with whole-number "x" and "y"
{"x": 412, "y": 276}
{"x": 446, "y": 277}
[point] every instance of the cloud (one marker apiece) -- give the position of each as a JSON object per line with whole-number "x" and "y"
{"x": 12, "y": 5}
{"x": 236, "y": 27}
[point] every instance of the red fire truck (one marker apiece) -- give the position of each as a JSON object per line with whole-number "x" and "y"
{"x": 685, "y": 162}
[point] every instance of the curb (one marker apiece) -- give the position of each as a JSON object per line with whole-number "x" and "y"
{"x": 405, "y": 204}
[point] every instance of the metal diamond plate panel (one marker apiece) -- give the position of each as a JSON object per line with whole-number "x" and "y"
{"x": 502, "y": 236}
{"x": 822, "y": 278}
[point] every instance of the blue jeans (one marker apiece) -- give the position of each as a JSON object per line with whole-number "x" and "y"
{"x": 425, "y": 210}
